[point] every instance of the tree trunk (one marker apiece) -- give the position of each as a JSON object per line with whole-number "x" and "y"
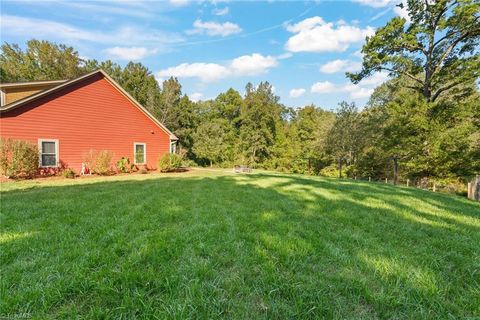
{"x": 427, "y": 94}
{"x": 395, "y": 171}
{"x": 340, "y": 166}
{"x": 211, "y": 164}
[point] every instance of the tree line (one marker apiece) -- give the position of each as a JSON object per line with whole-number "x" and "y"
{"x": 423, "y": 123}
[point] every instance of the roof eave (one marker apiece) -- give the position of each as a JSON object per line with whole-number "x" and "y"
{"x": 30, "y": 83}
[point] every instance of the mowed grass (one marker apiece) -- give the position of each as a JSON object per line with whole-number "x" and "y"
{"x": 217, "y": 245}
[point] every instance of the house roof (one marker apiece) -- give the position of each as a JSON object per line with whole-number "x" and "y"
{"x": 64, "y": 84}
{"x": 30, "y": 83}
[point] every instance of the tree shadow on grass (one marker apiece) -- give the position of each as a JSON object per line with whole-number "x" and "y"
{"x": 249, "y": 246}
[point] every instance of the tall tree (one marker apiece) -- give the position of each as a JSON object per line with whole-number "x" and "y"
{"x": 210, "y": 141}
{"x": 228, "y": 106}
{"x": 138, "y": 81}
{"x": 311, "y": 126}
{"x": 185, "y": 122}
{"x": 169, "y": 101}
{"x": 41, "y": 60}
{"x": 260, "y": 117}
{"x": 342, "y": 137}
{"x": 437, "y": 49}
{"x": 428, "y": 139}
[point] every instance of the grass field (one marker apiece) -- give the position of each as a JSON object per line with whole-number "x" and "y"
{"x": 216, "y": 245}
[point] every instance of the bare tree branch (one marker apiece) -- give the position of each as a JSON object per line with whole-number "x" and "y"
{"x": 449, "y": 49}
{"x": 445, "y": 88}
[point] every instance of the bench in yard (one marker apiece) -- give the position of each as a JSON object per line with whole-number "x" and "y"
{"x": 242, "y": 169}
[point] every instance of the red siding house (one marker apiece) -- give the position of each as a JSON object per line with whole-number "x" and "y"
{"x": 68, "y": 119}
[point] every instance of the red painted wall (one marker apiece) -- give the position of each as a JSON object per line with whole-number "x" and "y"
{"x": 91, "y": 114}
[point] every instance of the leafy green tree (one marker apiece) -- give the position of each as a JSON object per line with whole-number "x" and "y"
{"x": 342, "y": 137}
{"x": 259, "y": 119}
{"x": 437, "y": 49}
{"x": 228, "y": 105}
{"x": 138, "y": 81}
{"x": 113, "y": 69}
{"x": 428, "y": 139}
{"x": 210, "y": 138}
{"x": 185, "y": 122}
{"x": 169, "y": 100}
{"x": 41, "y": 60}
{"x": 310, "y": 128}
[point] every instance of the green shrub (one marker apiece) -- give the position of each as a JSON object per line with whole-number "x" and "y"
{"x": 18, "y": 159}
{"x": 188, "y": 163}
{"x": 124, "y": 165}
{"x": 349, "y": 171}
{"x": 99, "y": 162}
{"x": 451, "y": 185}
{"x": 68, "y": 173}
{"x": 103, "y": 163}
{"x": 330, "y": 171}
{"x": 169, "y": 162}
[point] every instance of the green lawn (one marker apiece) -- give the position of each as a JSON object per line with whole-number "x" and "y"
{"x": 218, "y": 245}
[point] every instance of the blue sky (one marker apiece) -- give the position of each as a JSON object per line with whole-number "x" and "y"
{"x": 302, "y": 48}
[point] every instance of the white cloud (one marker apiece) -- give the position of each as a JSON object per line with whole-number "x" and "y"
{"x": 206, "y": 72}
{"x": 377, "y": 79}
{"x": 247, "y": 65}
{"x": 340, "y": 66}
{"x": 129, "y": 53}
{"x": 179, "y": 3}
{"x": 196, "y": 96}
{"x": 16, "y": 25}
{"x": 316, "y": 35}
{"x": 306, "y": 24}
{"x": 252, "y": 64}
{"x": 220, "y": 12}
{"x": 120, "y": 8}
{"x": 376, "y": 3}
{"x": 322, "y": 87}
{"x": 212, "y": 28}
{"x": 295, "y": 93}
{"x": 285, "y": 55}
{"x": 358, "y": 54}
{"x": 23, "y": 27}
{"x": 355, "y": 91}
{"x": 402, "y": 12}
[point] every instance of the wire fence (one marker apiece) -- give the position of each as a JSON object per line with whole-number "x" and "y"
{"x": 452, "y": 187}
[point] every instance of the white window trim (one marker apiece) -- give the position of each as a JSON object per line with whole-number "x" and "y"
{"x": 2, "y": 98}
{"x": 57, "y": 152}
{"x": 173, "y": 146}
{"x": 144, "y": 152}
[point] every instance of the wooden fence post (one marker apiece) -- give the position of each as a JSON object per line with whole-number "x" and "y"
{"x": 386, "y": 180}
{"x": 408, "y": 182}
{"x": 369, "y": 179}
{"x": 476, "y": 188}
{"x": 434, "y": 187}
{"x": 473, "y": 189}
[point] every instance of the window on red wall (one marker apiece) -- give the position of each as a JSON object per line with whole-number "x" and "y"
{"x": 140, "y": 150}
{"x": 48, "y": 153}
